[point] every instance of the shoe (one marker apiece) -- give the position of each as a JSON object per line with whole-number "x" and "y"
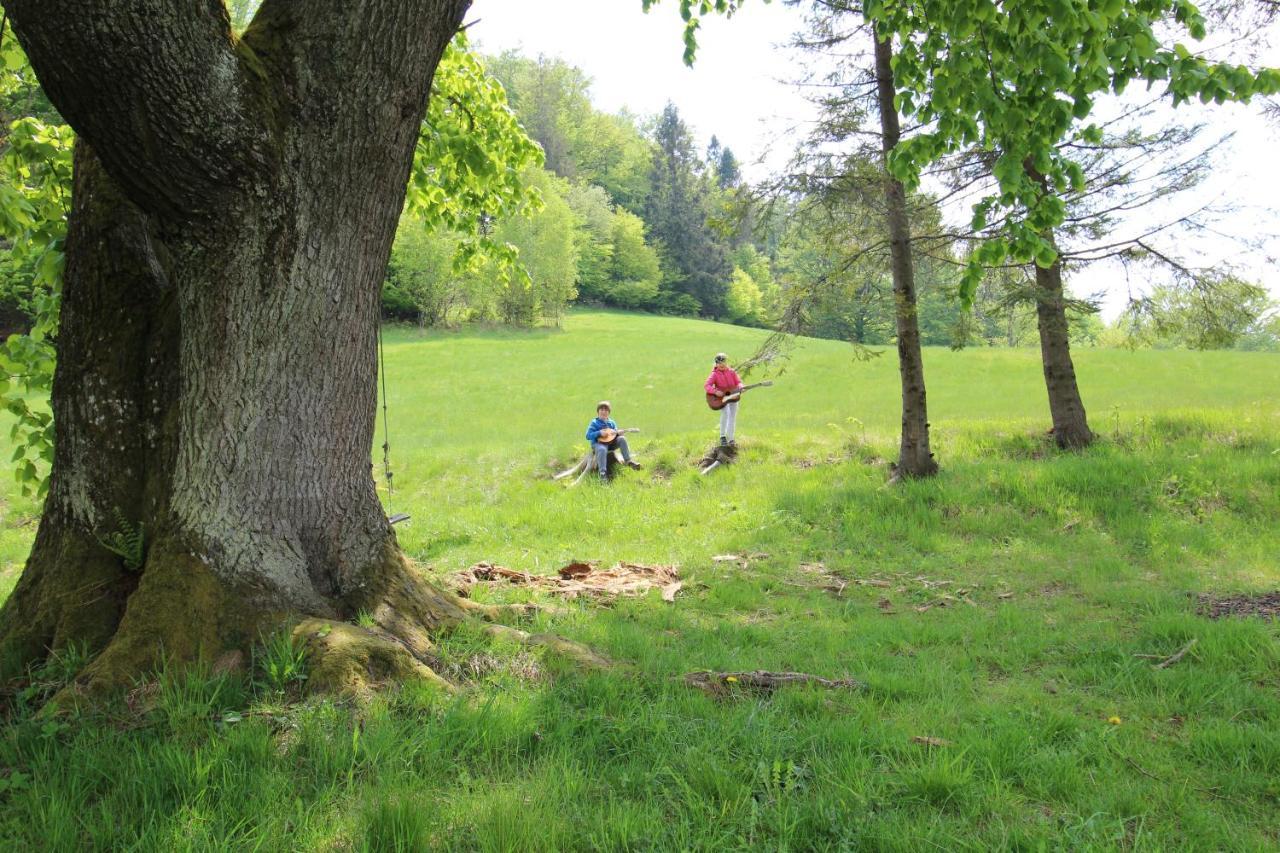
{"x": 604, "y": 479}
{"x": 634, "y": 466}
{"x": 724, "y": 442}
{"x": 733, "y": 444}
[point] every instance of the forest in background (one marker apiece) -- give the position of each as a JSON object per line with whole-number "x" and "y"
{"x": 637, "y": 216}
{"x": 630, "y": 212}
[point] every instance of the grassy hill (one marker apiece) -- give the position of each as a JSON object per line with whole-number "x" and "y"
{"x": 1002, "y": 610}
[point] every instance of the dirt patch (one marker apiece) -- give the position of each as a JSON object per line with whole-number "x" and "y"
{"x": 1264, "y": 604}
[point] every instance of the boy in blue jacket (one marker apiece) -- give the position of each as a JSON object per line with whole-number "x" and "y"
{"x": 604, "y": 437}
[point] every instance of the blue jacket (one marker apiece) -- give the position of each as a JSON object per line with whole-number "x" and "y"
{"x": 593, "y": 428}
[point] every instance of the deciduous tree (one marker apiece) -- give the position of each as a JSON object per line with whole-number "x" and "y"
{"x": 234, "y": 204}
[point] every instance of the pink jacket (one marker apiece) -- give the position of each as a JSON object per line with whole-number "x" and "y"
{"x": 722, "y": 379}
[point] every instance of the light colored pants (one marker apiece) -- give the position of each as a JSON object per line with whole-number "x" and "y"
{"x": 728, "y": 420}
{"x": 602, "y": 452}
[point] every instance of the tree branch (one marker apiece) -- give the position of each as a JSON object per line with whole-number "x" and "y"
{"x": 154, "y": 86}
{"x": 317, "y": 48}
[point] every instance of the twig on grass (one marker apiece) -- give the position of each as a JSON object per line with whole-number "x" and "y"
{"x": 1177, "y": 656}
{"x": 1166, "y": 662}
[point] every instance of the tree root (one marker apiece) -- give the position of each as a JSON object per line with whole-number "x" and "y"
{"x": 509, "y": 612}
{"x": 350, "y": 660}
{"x": 181, "y": 612}
{"x": 568, "y": 649}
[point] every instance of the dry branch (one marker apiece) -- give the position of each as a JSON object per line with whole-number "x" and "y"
{"x": 1176, "y": 656}
{"x": 721, "y": 683}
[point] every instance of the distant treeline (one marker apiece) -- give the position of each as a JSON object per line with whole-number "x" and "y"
{"x": 636, "y": 217}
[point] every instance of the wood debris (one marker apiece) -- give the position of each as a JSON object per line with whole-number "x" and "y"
{"x": 930, "y": 741}
{"x": 580, "y": 578}
{"x": 760, "y": 681}
{"x": 741, "y": 560}
{"x": 1176, "y": 656}
{"x": 1263, "y": 604}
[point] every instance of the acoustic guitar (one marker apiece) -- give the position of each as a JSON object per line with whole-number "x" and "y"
{"x": 717, "y": 403}
{"x": 607, "y": 435}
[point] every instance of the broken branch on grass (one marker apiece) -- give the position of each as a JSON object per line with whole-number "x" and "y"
{"x": 1176, "y": 656}
{"x": 721, "y": 683}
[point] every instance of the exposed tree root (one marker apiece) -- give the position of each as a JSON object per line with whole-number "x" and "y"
{"x": 568, "y": 649}
{"x": 350, "y": 660}
{"x": 182, "y": 612}
{"x": 75, "y": 595}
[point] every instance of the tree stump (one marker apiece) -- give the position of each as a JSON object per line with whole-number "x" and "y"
{"x": 586, "y": 465}
{"x": 719, "y": 454}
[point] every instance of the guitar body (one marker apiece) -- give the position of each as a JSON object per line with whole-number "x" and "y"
{"x": 607, "y": 435}
{"x": 715, "y": 403}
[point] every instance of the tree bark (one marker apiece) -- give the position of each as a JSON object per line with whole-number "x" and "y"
{"x": 233, "y": 212}
{"x": 914, "y": 458}
{"x": 1070, "y": 426}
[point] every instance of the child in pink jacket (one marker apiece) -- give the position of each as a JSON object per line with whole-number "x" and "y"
{"x": 723, "y": 381}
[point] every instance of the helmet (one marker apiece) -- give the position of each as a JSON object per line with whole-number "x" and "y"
{"x": 603, "y": 404}
{"x": 721, "y": 358}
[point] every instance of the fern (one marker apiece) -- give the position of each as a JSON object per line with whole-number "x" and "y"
{"x": 128, "y": 542}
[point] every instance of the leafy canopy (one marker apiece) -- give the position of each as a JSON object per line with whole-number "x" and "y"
{"x": 467, "y": 174}
{"x": 35, "y": 198}
{"x": 470, "y": 162}
{"x": 1019, "y": 79}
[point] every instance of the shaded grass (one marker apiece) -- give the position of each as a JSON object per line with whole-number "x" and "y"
{"x": 1074, "y": 564}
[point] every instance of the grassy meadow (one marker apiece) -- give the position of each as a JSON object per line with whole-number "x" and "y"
{"x": 996, "y": 616}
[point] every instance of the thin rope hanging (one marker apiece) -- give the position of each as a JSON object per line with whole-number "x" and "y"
{"x": 386, "y": 429}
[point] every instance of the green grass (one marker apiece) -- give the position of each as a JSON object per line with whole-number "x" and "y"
{"x": 1061, "y": 569}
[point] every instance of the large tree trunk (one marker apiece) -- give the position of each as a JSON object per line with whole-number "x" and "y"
{"x": 234, "y": 208}
{"x": 914, "y": 458}
{"x": 1070, "y": 427}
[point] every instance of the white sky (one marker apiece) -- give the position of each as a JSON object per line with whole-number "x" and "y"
{"x": 738, "y": 90}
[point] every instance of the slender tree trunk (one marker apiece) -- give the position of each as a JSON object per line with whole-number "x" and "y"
{"x": 914, "y": 458}
{"x": 1070, "y": 426}
{"x": 234, "y": 208}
